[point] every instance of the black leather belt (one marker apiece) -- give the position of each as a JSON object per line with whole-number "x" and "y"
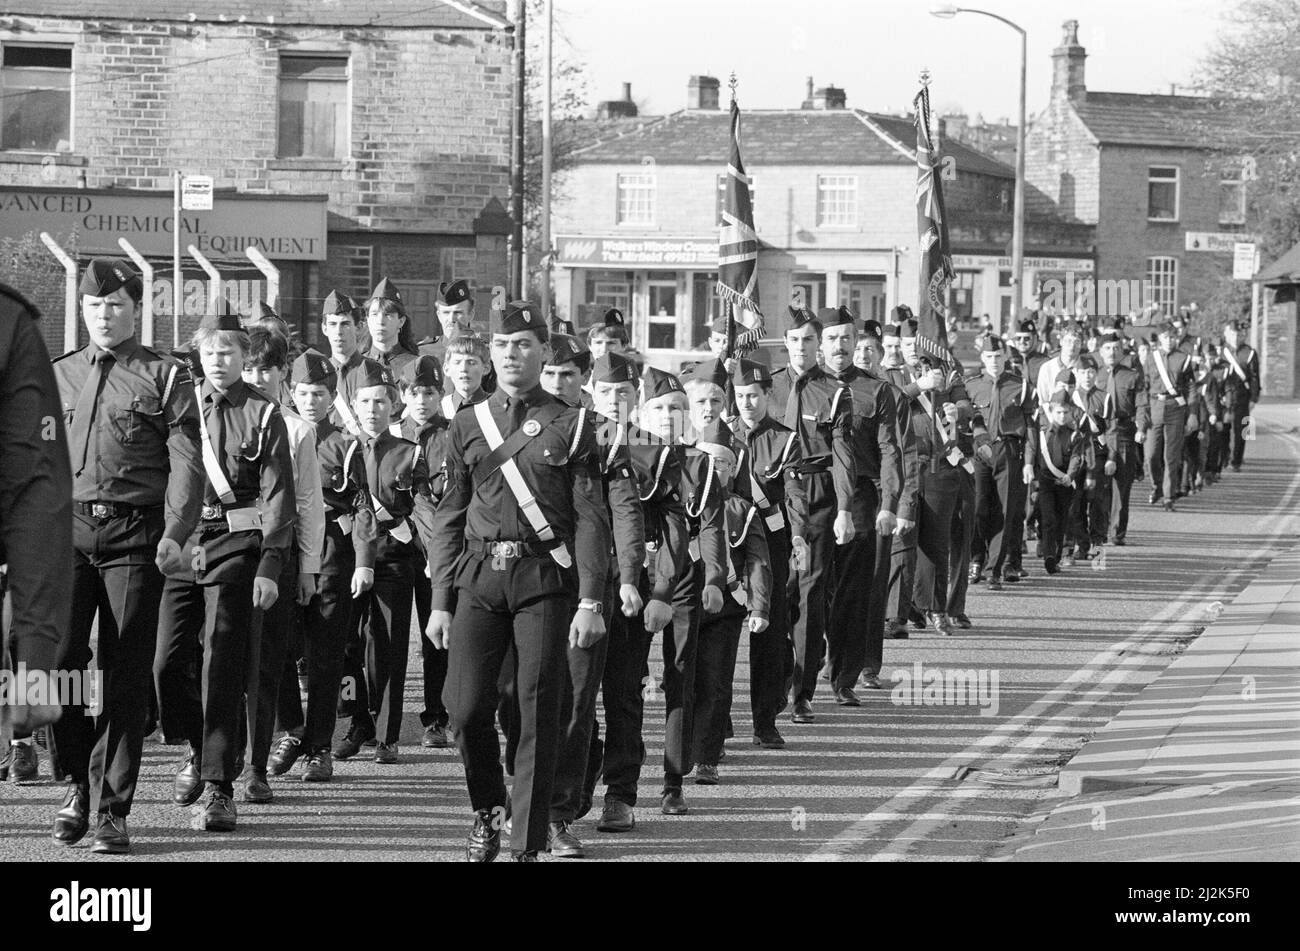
{"x": 503, "y": 549}
{"x": 217, "y": 511}
{"x": 103, "y": 510}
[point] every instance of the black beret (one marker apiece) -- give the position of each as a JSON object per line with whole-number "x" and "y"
{"x": 521, "y": 315}
{"x": 872, "y": 328}
{"x": 1087, "y": 362}
{"x": 719, "y": 325}
{"x": 387, "y": 290}
{"x": 566, "y": 349}
{"x": 657, "y": 383}
{"x": 750, "y": 372}
{"x": 1026, "y": 327}
{"x": 901, "y": 313}
{"x": 717, "y": 433}
{"x": 451, "y": 293}
{"x": 709, "y": 371}
{"x": 614, "y": 368}
{"x": 991, "y": 343}
{"x": 800, "y": 316}
{"x": 314, "y": 369}
{"x": 103, "y": 276}
{"x": 423, "y": 371}
{"x": 613, "y": 317}
{"x": 339, "y": 303}
{"x": 373, "y": 373}
{"x": 222, "y": 321}
{"x": 1060, "y": 398}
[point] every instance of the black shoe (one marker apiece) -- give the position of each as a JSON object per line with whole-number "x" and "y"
{"x": 1169, "y": 505}
{"x": 976, "y": 573}
{"x": 995, "y": 583}
{"x": 187, "y": 786}
{"x": 939, "y": 622}
{"x": 435, "y": 738}
{"x": 71, "y": 822}
{"x": 1119, "y": 541}
{"x": 1236, "y": 468}
{"x": 706, "y": 775}
{"x": 917, "y": 619}
{"x": 896, "y": 630}
{"x": 1052, "y": 567}
{"x": 961, "y": 621}
{"x": 673, "y": 803}
{"x": 351, "y": 743}
{"x": 110, "y": 835}
{"x": 285, "y": 754}
{"x": 870, "y": 681}
{"x": 216, "y": 813}
{"x": 1012, "y": 575}
{"x": 1154, "y": 497}
{"x": 386, "y": 753}
{"x": 617, "y": 816}
{"x": 484, "y": 842}
{"x": 803, "y": 712}
{"x": 562, "y": 843}
{"x": 319, "y": 768}
{"x": 1023, "y": 572}
{"x": 845, "y": 697}
{"x": 256, "y": 788}
{"x": 24, "y": 766}
{"x": 769, "y": 738}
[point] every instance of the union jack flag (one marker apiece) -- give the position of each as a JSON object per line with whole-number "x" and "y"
{"x": 738, "y": 249}
{"x": 932, "y": 228}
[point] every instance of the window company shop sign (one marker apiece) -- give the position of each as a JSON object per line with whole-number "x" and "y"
{"x": 636, "y": 251}
{"x": 284, "y": 228}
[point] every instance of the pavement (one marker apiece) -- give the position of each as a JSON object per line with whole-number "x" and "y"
{"x": 908, "y": 776}
{"x": 1204, "y": 764}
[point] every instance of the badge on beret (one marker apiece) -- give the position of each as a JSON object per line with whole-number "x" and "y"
{"x": 532, "y": 427}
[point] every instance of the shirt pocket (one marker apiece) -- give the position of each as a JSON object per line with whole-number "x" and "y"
{"x": 550, "y": 449}
{"x": 132, "y": 423}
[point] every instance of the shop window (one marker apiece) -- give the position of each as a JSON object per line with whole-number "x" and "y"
{"x": 313, "y": 107}
{"x": 1162, "y": 194}
{"x": 1162, "y": 283}
{"x": 36, "y": 98}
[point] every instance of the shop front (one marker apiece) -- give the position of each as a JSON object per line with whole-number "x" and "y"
{"x": 288, "y": 231}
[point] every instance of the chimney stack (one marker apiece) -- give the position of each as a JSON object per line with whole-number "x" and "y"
{"x": 702, "y": 92}
{"x": 1067, "y": 66}
{"x": 623, "y": 108}
{"x": 828, "y": 97}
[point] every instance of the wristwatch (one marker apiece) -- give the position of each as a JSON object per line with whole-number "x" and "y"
{"x": 595, "y": 607}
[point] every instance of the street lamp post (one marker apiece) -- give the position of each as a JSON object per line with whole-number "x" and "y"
{"x": 947, "y": 11}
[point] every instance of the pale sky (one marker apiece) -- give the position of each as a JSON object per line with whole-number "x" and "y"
{"x": 875, "y": 49}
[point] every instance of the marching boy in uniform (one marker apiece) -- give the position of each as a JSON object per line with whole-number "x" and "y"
{"x": 1057, "y": 455}
{"x": 1090, "y": 511}
{"x": 347, "y": 572}
{"x": 239, "y": 547}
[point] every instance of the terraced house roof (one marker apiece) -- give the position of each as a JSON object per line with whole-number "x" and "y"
{"x": 388, "y": 13}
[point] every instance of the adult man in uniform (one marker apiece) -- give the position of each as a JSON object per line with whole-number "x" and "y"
{"x": 1241, "y": 387}
{"x": 339, "y": 324}
{"x": 1169, "y": 376}
{"x": 524, "y": 491}
{"x": 801, "y": 340}
{"x": 137, "y": 491}
{"x": 1126, "y": 391}
{"x": 455, "y": 308}
{"x": 35, "y": 514}
{"x": 859, "y": 581}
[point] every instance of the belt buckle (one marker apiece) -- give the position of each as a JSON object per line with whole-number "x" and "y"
{"x": 101, "y": 510}
{"x": 502, "y": 552}
{"x": 211, "y": 512}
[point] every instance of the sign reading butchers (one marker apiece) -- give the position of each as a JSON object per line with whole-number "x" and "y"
{"x": 283, "y": 227}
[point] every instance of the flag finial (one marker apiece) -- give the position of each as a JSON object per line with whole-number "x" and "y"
{"x": 925, "y": 79}
{"x": 732, "y": 86}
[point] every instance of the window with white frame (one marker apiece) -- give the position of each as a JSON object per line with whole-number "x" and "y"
{"x": 313, "y": 107}
{"x": 1232, "y": 197}
{"x": 837, "y": 201}
{"x": 1162, "y": 283}
{"x": 1162, "y": 193}
{"x": 636, "y": 198}
{"x": 36, "y": 97}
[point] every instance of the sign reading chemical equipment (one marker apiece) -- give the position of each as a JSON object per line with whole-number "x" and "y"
{"x": 196, "y": 193}
{"x": 283, "y": 227}
{"x": 667, "y": 252}
{"x": 1243, "y": 261}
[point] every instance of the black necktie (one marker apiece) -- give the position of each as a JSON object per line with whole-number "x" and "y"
{"x": 83, "y": 416}
{"x": 995, "y": 411}
{"x": 515, "y": 410}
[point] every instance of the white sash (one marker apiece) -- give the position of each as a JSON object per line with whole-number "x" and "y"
{"x": 774, "y": 522}
{"x": 448, "y": 406}
{"x": 396, "y": 429}
{"x": 401, "y": 531}
{"x": 1160, "y": 360}
{"x": 345, "y": 413}
{"x": 515, "y": 479}
{"x": 1047, "y": 456}
{"x": 216, "y": 475}
{"x": 1236, "y": 367}
{"x": 1080, "y": 402}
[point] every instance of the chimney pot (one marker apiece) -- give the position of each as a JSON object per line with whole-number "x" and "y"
{"x": 1067, "y": 66}
{"x": 627, "y": 92}
{"x": 702, "y": 92}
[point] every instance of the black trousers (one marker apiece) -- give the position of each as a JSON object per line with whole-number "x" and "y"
{"x": 679, "y": 642}
{"x": 1165, "y": 449}
{"x": 769, "y": 652}
{"x": 854, "y": 570}
{"x": 114, "y": 576}
{"x": 816, "y": 582}
{"x": 882, "y": 592}
{"x": 387, "y": 630}
{"x": 715, "y": 671}
{"x": 940, "y": 489}
{"x": 623, "y": 687}
{"x": 1193, "y": 459}
{"x": 1127, "y": 461}
{"x": 1089, "y": 515}
{"x": 1217, "y": 452}
{"x": 1237, "y": 438}
{"x": 267, "y": 661}
{"x": 959, "y": 544}
{"x": 1000, "y": 494}
{"x": 324, "y": 624}
{"x": 584, "y": 670}
{"x": 433, "y": 661}
{"x": 527, "y": 606}
{"x": 205, "y": 631}
{"x": 1054, "y": 502}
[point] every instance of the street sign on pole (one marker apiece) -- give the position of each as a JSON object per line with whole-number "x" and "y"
{"x": 196, "y": 193}
{"x": 1243, "y": 261}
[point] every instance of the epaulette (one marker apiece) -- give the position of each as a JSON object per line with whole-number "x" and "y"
{"x": 64, "y": 356}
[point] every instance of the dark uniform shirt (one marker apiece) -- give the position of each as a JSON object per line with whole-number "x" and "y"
{"x": 251, "y": 445}
{"x": 35, "y": 492}
{"x": 1239, "y": 392}
{"x": 140, "y": 434}
{"x": 345, "y": 393}
{"x": 875, "y": 434}
{"x": 561, "y": 467}
{"x": 1002, "y": 409}
{"x": 934, "y": 444}
{"x": 1126, "y": 391}
{"x": 1181, "y": 371}
{"x": 1066, "y": 447}
{"x": 820, "y": 413}
{"x": 346, "y": 493}
{"x": 624, "y": 497}
{"x": 783, "y": 381}
{"x": 766, "y": 470}
{"x": 1092, "y": 417}
{"x": 657, "y": 469}
{"x": 705, "y": 500}
{"x": 398, "y": 475}
{"x": 749, "y": 577}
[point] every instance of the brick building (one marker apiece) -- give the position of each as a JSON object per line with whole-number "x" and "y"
{"x": 346, "y": 141}
{"x": 834, "y": 207}
{"x": 1166, "y": 211}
